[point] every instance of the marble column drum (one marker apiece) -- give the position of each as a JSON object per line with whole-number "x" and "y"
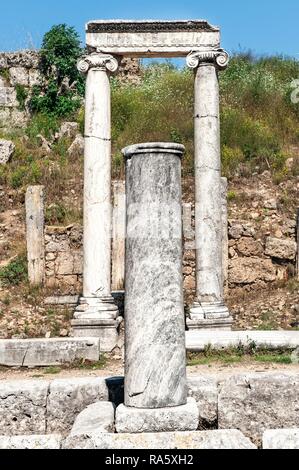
{"x": 209, "y": 310}
{"x": 155, "y": 354}
{"x": 96, "y": 315}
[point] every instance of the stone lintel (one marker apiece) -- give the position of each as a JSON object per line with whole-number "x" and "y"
{"x": 151, "y": 38}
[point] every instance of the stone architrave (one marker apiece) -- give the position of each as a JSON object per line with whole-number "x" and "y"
{"x": 209, "y": 310}
{"x": 97, "y": 314}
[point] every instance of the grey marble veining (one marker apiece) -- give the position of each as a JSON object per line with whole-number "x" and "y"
{"x": 155, "y": 370}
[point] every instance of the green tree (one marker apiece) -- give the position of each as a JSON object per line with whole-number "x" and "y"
{"x": 61, "y": 85}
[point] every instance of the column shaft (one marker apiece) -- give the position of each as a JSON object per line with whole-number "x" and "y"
{"x": 155, "y": 357}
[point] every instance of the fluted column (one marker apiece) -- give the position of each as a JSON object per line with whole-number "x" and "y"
{"x": 96, "y": 315}
{"x": 209, "y": 310}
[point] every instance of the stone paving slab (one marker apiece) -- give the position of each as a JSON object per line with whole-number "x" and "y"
{"x": 283, "y": 439}
{"x": 51, "y": 442}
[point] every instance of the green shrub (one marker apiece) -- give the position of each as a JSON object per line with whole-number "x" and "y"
{"x": 15, "y": 273}
{"x": 22, "y": 95}
{"x": 62, "y": 85}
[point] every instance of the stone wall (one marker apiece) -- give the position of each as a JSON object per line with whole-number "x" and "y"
{"x": 20, "y": 71}
{"x": 255, "y": 261}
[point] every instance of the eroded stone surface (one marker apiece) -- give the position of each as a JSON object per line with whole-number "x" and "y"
{"x": 281, "y": 439}
{"x": 228, "y": 439}
{"x": 7, "y": 149}
{"x": 204, "y": 390}
{"x": 281, "y": 249}
{"x": 136, "y": 420}
{"x": 69, "y": 397}
{"x": 23, "y": 407}
{"x": 254, "y": 403}
{"x": 31, "y": 442}
{"x": 98, "y": 417}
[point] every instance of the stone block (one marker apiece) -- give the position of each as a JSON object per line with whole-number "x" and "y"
{"x": 249, "y": 247}
{"x": 205, "y": 392}
{"x": 68, "y": 130}
{"x": 228, "y": 439}
{"x": 137, "y": 420}
{"x": 64, "y": 263}
{"x": 19, "y": 76}
{"x": 251, "y": 270}
{"x": 77, "y": 147}
{"x": 255, "y": 403}
{"x": 34, "y": 77}
{"x": 98, "y": 417}
{"x": 69, "y": 397}
{"x": 8, "y": 97}
{"x": 23, "y": 406}
{"x": 47, "y": 352}
{"x": 7, "y": 149}
{"x": 281, "y": 249}
{"x": 51, "y": 441}
{"x": 284, "y": 439}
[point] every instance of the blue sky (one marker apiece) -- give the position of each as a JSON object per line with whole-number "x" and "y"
{"x": 264, "y": 26}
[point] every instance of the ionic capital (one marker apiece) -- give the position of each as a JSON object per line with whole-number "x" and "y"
{"x": 98, "y": 61}
{"x": 218, "y": 57}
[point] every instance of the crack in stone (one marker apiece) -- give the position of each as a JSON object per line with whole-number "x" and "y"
{"x": 24, "y": 358}
{"x": 199, "y": 116}
{"x": 103, "y": 139}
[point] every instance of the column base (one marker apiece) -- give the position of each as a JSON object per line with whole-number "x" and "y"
{"x": 98, "y": 318}
{"x": 137, "y": 420}
{"x": 209, "y": 316}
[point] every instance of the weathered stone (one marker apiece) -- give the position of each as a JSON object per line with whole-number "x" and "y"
{"x": 177, "y": 418}
{"x": 229, "y": 439}
{"x": 254, "y": 403}
{"x": 69, "y": 397}
{"x": 154, "y": 280}
{"x": 77, "y": 147}
{"x": 19, "y": 76}
{"x": 23, "y": 407}
{"x": 7, "y": 149}
{"x": 98, "y": 417}
{"x": 189, "y": 283}
{"x": 249, "y": 247}
{"x": 68, "y": 130}
{"x": 57, "y": 246}
{"x": 151, "y": 38}
{"x": 204, "y": 390}
{"x": 50, "y": 441}
{"x": 35, "y": 234}
{"x": 284, "y": 439}
{"x": 281, "y": 249}
{"x": 8, "y": 97}
{"x": 251, "y": 270}
{"x": 41, "y": 352}
{"x": 64, "y": 263}
{"x": 34, "y": 77}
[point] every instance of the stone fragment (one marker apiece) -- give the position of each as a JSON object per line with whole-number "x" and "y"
{"x": 251, "y": 270}
{"x": 51, "y": 441}
{"x": 44, "y": 144}
{"x": 254, "y": 403}
{"x": 98, "y": 417}
{"x": 23, "y": 407}
{"x": 271, "y": 204}
{"x": 68, "y": 130}
{"x": 281, "y": 249}
{"x": 204, "y": 390}
{"x": 138, "y": 420}
{"x": 77, "y": 147}
{"x": 7, "y": 149}
{"x": 284, "y": 439}
{"x": 228, "y": 439}
{"x": 69, "y": 397}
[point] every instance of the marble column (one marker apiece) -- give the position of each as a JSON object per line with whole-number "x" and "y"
{"x": 155, "y": 354}
{"x": 97, "y": 313}
{"x": 209, "y": 310}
